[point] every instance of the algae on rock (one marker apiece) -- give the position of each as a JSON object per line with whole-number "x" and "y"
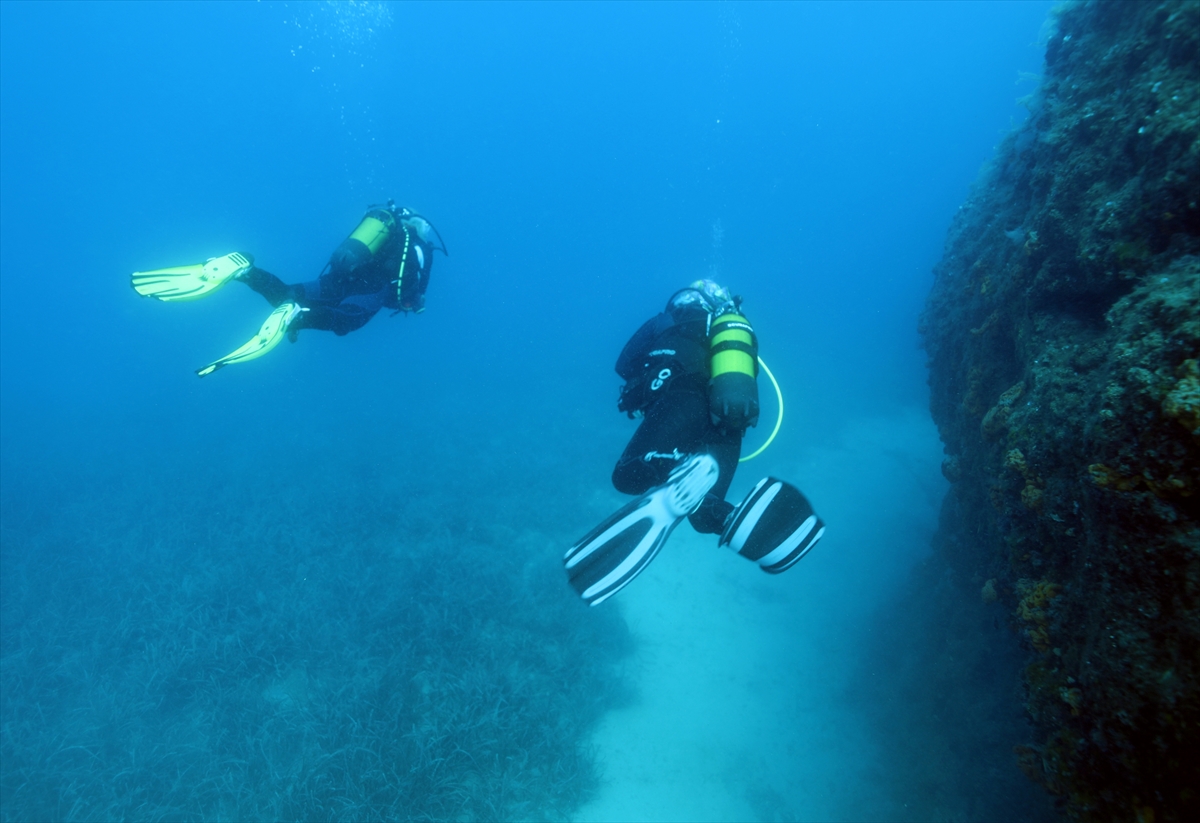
{"x": 1063, "y": 332}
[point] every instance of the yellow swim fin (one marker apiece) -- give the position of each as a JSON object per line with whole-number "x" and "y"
{"x": 191, "y": 282}
{"x": 268, "y": 337}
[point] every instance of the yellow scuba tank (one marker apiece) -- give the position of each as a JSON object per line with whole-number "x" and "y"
{"x": 733, "y": 370}
{"x": 360, "y": 248}
{"x": 376, "y": 226}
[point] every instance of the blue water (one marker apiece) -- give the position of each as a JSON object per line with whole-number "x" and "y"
{"x": 325, "y": 583}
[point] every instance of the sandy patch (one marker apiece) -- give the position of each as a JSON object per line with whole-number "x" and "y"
{"x": 741, "y": 676}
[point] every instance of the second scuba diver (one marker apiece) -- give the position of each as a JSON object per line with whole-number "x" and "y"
{"x": 384, "y": 263}
{"x": 690, "y": 373}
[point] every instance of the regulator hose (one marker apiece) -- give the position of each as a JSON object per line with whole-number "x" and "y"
{"x": 778, "y": 420}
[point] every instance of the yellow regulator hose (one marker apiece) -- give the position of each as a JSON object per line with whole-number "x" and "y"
{"x": 778, "y": 420}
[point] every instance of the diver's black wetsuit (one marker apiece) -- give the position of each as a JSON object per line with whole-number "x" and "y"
{"x": 351, "y": 291}
{"x": 665, "y": 367}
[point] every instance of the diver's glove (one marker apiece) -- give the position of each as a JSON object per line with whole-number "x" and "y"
{"x": 415, "y": 305}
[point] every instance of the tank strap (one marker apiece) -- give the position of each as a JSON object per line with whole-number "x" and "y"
{"x": 735, "y": 345}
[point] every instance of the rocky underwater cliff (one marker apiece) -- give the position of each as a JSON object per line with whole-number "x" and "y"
{"x": 1063, "y": 333}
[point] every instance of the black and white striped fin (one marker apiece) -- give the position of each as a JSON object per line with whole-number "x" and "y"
{"x": 774, "y": 526}
{"x": 611, "y": 555}
{"x": 617, "y": 550}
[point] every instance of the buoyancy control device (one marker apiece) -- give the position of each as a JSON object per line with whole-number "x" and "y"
{"x": 659, "y": 352}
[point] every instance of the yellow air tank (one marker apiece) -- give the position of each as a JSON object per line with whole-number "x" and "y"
{"x": 374, "y": 229}
{"x": 733, "y": 370}
{"x": 364, "y": 242}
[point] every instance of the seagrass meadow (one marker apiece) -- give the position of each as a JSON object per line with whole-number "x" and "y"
{"x": 282, "y": 652}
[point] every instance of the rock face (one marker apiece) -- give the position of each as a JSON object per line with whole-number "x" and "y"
{"x": 1063, "y": 333}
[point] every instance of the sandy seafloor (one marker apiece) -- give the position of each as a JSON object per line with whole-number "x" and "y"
{"x": 735, "y": 717}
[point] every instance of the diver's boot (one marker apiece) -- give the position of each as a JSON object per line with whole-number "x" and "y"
{"x": 774, "y": 526}
{"x": 191, "y": 282}
{"x": 269, "y": 336}
{"x": 689, "y": 482}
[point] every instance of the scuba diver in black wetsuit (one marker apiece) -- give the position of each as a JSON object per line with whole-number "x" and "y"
{"x": 384, "y": 263}
{"x": 665, "y": 366}
{"x": 690, "y": 373}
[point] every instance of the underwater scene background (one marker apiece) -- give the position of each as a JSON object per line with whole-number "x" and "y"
{"x": 327, "y": 584}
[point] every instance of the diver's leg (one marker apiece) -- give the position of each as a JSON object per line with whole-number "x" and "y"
{"x": 272, "y": 288}
{"x": 676, "y": 426}
{"x": 726, "y": 448}
{"x": 672, "y": 429}
{"x": 342, "y": 318}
